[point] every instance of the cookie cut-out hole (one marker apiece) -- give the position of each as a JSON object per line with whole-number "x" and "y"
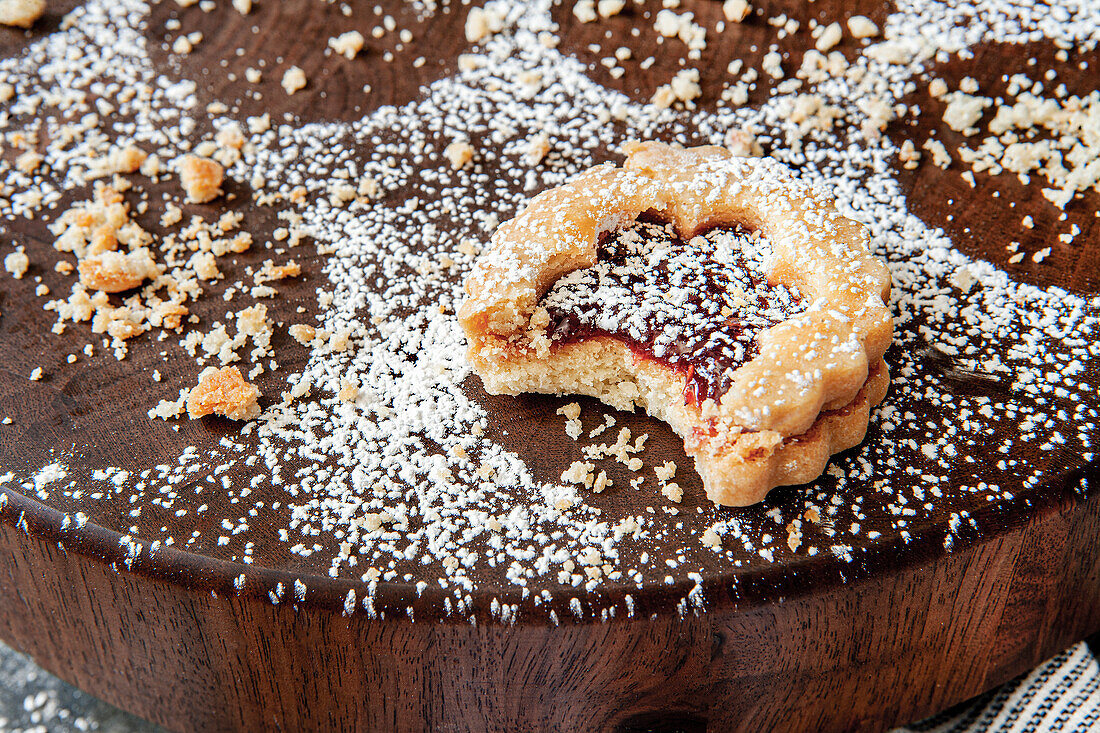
{"x": 695, "y": 306}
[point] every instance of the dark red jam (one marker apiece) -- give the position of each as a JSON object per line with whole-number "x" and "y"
{"x": 695, "y": 306}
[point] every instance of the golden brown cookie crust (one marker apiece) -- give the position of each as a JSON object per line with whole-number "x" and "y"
{"x": 818, "y": 360}
{"x": 741, "y": 470}
{"x": 555, "y": 234}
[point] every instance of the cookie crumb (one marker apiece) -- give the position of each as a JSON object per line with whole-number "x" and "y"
{"x": 347, "y": 44}
{"x": 224, "y": 392}
{"x": 201, "y": 178}
{"x": 940, "y": 157}
{"x": 21, "y": 13}
{"x": 609, "y": 8}
{"x": 17, "y": 263}
{"x": 909, "y": 155}
{"x": 538, "y": 147}
{"x": 294, "y": 79}
{"x": 459, "y": 153}
{"x": 829, "y": 37}
{"x": 349, "y": 391}
{"x": 126, "y": 160}
{"x": 683, "y": 88}
{"x": 736, "y": 10}
{"x": 482, "y": 24}
{"x": 772, "y": 64}
{"x": 962, "y": 278}
{"x": 572, "y": 413}
{"x": 579, "y": 472}
{"x": 302, "y": 333}
{"x": 608, "y": 422}
{"x": 29, "y": 161}
{"x": 585, "y": 11}
{"x": 860, "y": 26}
{"x": 743, "y": 143}
{"x": 113, "y": 272}
{"x": 168, "y": 409}
{"x": 963, "y": 110}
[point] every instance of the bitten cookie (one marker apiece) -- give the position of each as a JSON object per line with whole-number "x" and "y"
{"x": 721, "y": 294}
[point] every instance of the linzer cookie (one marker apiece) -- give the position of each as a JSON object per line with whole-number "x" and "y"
{"x": 718, "y": 293}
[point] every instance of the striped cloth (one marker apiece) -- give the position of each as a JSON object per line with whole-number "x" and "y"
{"x": 1062, "y": 694}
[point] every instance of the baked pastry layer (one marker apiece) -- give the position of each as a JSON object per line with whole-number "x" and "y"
{"x": 738, "y": 466}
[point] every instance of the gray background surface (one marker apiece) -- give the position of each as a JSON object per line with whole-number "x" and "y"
{"x": 32, "y": 699}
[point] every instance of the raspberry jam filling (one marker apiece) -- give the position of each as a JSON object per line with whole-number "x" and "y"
{"x": 696, "y": 307}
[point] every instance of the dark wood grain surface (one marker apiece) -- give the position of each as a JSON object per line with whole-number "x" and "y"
{"x": 804, "y": 643}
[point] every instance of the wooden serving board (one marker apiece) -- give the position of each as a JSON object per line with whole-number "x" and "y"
{"x": 905, "y": 620}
